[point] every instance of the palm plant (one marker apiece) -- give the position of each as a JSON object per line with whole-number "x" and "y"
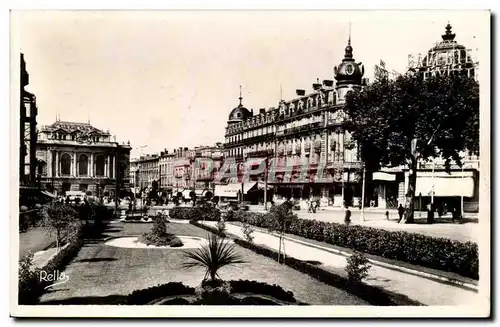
{"x": 213, "y": 256}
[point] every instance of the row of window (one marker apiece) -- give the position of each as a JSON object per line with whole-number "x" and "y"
{"x": 72, "y": 137}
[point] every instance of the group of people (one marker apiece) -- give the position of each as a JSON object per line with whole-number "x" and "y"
{"x": 431, "y": 209}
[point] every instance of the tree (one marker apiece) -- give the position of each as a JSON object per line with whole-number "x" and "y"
{"x": 60, "y": 218}
{"x": 279, "y": 219}
{"x": 438, "y": 115}
{"x": 213, "y": 256}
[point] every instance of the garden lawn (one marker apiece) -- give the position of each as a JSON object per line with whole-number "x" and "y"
{"x": 101, "y": 271}
{"x": 33, "y": 240}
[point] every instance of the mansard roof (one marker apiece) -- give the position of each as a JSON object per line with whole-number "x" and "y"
{"x": 73, "y": 127}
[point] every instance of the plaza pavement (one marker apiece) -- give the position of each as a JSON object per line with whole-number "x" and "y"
{"x": 463, "y": 232}
{"x": 421, "y": 289}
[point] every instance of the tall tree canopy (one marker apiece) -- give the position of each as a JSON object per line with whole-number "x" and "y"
{"x": 441, "y": 112}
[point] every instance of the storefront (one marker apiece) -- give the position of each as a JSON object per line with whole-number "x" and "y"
{"x": 445, "y": 189}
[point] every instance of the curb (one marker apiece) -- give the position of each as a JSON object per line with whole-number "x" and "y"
{"x": 436, "y": 278}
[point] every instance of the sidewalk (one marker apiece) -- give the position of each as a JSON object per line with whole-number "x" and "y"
{"x": 418, "y": 288}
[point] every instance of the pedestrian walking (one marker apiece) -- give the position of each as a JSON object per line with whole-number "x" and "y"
{"x": 347, "y": 219}
{"x": 401, "y": 212}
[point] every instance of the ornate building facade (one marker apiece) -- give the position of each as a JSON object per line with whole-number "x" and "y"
{"x": 302, "y": 140}
{"x": 460, "y": 187}
{"x": 148, "y": 171}
{"x": 79, "y": 157}
{"x": 28, "y": 131}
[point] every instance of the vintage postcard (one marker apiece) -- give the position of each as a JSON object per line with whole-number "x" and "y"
{"x": 250, "y": 163}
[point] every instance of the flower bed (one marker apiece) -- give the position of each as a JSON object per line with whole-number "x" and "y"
{"x": 436, "y": 253}
{"x": 372, "y": 294}
{"x": 158, "y": 235}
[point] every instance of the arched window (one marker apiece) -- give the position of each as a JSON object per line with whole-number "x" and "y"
{"x": 65, "y": 164}
{"x": 99, "y": 165}
{"x": 83, "y": 165}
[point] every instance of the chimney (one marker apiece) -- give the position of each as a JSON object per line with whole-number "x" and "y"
{"x": 300, "y": 92}
{"x": 262, "y": 111}
{"x": 251, "y": 110}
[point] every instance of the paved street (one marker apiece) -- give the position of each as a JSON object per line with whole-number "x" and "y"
{"x": 417, "y": 288}
{"x": 463, "y": 232}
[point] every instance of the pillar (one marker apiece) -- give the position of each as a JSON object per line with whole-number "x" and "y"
{"x": 91, "y": 171}
{"x": 106, "y": 164}
{"x": 73, "y": 166}
{"x": 57, "y": 164}
{"x": 113, "y": 173}
{"x": 49, "y": 163}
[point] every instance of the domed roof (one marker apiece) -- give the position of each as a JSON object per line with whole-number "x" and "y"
{"x": 349, "y": 72}
{"x": 239, "y": 113}
{"x": 444, "y": 47}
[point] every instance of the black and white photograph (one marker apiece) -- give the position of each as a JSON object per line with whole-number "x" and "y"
{"x": 250, "y": 163}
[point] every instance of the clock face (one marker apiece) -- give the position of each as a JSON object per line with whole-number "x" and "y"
{"x": 349, "y": 69}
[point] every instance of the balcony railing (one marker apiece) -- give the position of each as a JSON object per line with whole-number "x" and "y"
{"x": 260, "y": 153}
{"x": 254, "y": 139}
{"x": 301, "y": 129}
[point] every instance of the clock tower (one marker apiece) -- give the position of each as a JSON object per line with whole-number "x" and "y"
{"x": 348, "y": 74}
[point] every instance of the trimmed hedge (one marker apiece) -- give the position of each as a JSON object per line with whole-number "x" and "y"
{"x": 436, "y": 253}
{"x": 252, "y": 286}
{"x": 372, "y": 294}
{"x": 145, "y": 296}
{"x": 195, "y": 213}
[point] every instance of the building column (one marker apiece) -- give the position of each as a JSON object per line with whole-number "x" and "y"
{"x": 91, "y": 172}
{"x": 73, "y": 166}
{"x": 56, "y": 173}
{"x": 49, "y": 163}
{"x": 113, "y": 172}
{"x": 106, "y": 164}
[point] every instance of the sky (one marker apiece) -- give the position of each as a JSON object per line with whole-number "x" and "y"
{"x": 165, "y": 79}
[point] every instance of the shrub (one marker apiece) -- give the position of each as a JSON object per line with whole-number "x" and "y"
{"x": 28, "y": 285}
{"x": 221, "y": 227}
{"x": 247, "y": 232}
{"x": 357, "y": 267}
{"x": 252, "y": 286}
{"x": 158, "y": 235}
{"x": 436, "y": 253}
{"x": 147, "y": 295}
{"x": 208, "y": 213}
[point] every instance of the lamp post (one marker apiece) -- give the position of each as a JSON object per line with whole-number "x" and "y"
{"x": 363, "y": 195}
{"x": 265, "y": 182}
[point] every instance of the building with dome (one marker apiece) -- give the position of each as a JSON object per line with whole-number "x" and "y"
{"x": 459, "y": 188}
{"x": 444, "y": 57}
{"x": 301, "y": 139}
{"x": 77, "y": 156}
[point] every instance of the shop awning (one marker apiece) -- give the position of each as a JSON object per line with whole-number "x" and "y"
{"x": 445, "y": 186}
{"x": 262, "y": 185}
{"x": 227, "y": 191}
{"x": 382, "y": 176}
{"x": 248, "y": 187}
{"x": 50, "y": 195}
